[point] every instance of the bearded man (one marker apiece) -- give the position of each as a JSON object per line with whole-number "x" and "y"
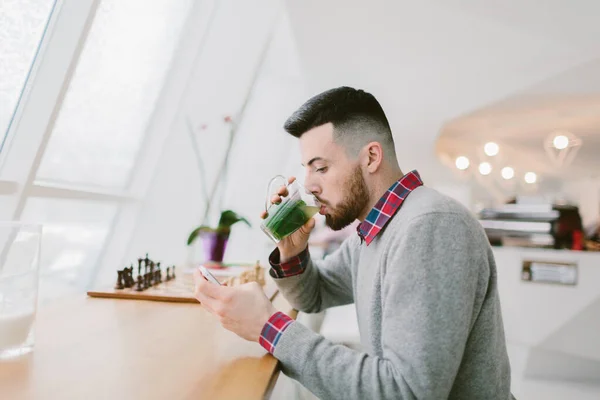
{"x": 420, "y": 271}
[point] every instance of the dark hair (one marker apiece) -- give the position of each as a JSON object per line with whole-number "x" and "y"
{"x": 355, "y": 115}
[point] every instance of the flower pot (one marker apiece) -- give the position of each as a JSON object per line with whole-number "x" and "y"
{"x": 214, "y": 245}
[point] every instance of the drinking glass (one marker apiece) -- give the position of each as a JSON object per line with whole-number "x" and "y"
{"x": 20, "y": 245}
{"x": 295, "y": 210}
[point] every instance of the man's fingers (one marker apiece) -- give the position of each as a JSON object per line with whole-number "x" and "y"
{"x": 206, "y": 302}
{"x": 210, "y": 289}
{"x": 264, "y": 215}
{"x": 283, "y": 191}
{"x": 308, "y": 226}
{"x": 291, "y": 179}
{"x": 275, "y": 199}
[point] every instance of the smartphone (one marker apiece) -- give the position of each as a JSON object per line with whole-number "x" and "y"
{"x": 209, "y": 277}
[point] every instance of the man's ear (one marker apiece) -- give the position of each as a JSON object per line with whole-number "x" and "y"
{"x": 373, "y": 156}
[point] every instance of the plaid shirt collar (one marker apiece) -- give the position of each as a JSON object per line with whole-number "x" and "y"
{"x": 387, "y": 206}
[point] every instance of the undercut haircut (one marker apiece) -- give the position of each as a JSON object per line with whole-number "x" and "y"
{"x": 356, "y": 116}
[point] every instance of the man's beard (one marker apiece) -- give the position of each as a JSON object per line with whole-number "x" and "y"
{"x": 355, "y": 200}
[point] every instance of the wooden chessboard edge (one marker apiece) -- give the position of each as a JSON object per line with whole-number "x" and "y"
{"x": 136, "y": 296}
{"x": 271, "y": 290}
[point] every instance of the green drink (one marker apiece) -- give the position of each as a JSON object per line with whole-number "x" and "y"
{"x": 288, "y": 216}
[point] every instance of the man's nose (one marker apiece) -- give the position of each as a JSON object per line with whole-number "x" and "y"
{"x": 311, "y": 185}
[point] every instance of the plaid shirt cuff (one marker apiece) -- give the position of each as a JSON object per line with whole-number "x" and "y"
{"x": 273, "y": 329}
{"x": 294, "y": 266}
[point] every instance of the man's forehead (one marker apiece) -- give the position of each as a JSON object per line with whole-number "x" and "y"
{"x": 318, "y": 135}
{"x": 317, "y": 144}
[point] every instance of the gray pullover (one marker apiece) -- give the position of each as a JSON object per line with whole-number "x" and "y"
{"x": 428, "y": 311}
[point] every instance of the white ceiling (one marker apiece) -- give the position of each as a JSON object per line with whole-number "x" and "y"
{"x": 431, "y": 62}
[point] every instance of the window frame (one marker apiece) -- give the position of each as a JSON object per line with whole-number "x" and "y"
{"x": 37, "y": 110}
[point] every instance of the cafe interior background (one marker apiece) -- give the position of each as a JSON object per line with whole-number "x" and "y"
{"x": 121, "y": 121}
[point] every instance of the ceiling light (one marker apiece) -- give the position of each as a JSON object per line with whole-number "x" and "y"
{"x": 485, "y": 168}
{"x": 530, "y": 177}
{"x": 508, "y": 173}
{"x": 462, "y": 163}
{"x": 491, "y": 149}
{"x": 560, "y": 142}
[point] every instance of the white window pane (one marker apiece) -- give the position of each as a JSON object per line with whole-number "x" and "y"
{"x": 113, "y": 92}
{"x": 74, "y": 233}
{"x": 22, "y": 24}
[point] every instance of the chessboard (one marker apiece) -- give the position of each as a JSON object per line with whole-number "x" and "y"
{"x": 154, "y": 285}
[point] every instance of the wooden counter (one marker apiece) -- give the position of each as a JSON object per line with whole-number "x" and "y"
{"x": 90, "y": 348}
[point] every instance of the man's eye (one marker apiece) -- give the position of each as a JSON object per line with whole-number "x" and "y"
{"x": 322, "y": 169}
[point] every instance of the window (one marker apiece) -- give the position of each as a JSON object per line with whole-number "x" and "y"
{"x": 113, "y": 93}
{"x": 22, "y": 26}
{"x": 97, "y": 135}
{"x": 74, "y": 236}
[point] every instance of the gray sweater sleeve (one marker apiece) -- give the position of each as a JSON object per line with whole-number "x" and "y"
{"x": 324, "y": 283}
{"x": 429, "y": 288}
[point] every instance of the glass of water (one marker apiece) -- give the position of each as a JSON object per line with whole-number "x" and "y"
{"x": 20, "y": 245}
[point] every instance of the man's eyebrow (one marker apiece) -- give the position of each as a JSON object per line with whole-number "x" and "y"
{"x": 315, "y": 159}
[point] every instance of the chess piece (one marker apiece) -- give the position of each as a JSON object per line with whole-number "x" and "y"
{"x": 157, "y": 277}
{"x": 139, "y": 266}
{"x": 173, "y": 272}
{"x": 151, "y": 274}
{"x": 131, "y": 280}
{"x": 126, "y": 277}
{"x": 119, "y": 284}
{"x": 244, "y": 277}
{"x": 140, "y": 286}
{"x": 259, "y": 273}
{"x": 146, "y": 281}
{"x": 146, "y": 263}
{"x": 158, "y": 273}
{"x": 168, "y": 278}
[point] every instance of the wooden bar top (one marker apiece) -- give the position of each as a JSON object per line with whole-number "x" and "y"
{"x": 92, "y": 348}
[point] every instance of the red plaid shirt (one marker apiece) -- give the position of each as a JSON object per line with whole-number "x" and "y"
{"x": 387, "y": 206}
{"x": 273, "y": 330}
{"x": 378, "y": 217}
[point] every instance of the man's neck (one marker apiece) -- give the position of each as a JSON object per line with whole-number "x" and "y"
{"x": 379, "y": 188}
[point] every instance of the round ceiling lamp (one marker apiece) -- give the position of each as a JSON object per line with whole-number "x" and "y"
{"x": 560, "y": 142}
{"x": 508, "y": 173}
{"x": 491, "y": 149}
{"x": 562, "y": 147}
{"x": 530, "y": 177}
{"x": 485, "y": 168}
{"x": 462, "y": 163}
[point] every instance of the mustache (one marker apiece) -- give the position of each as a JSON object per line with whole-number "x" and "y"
{"x": 323, "y": 202}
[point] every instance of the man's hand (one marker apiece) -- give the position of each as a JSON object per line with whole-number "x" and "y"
{"x": 243, "y": 310}
{"x": 295, "y": 243}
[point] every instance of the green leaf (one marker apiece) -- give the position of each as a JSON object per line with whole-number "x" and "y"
{"x": 229, "y": 218}
{"x": 196, "y": 232}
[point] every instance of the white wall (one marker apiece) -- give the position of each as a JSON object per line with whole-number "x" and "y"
{"x": 223, "y": 76}
{"x": 555, "y": 319}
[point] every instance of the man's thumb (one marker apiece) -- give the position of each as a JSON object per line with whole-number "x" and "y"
{"x": 308, "y": 226}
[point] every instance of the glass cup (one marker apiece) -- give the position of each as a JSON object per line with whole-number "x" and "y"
{"x": 20, "y": 245}
{"x": 293, "y": 212}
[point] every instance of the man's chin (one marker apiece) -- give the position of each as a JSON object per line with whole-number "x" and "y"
{"x": 335, "y": 224}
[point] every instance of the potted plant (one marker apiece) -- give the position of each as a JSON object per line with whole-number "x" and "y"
{"x": 214, "y": 240}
